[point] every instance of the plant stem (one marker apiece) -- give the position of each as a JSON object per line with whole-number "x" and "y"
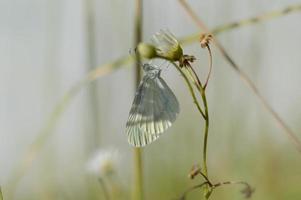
{"x": 183, "y": 196}
{"x": 241, "y": 23}
{"x": 195, "y": 100}
{"x": 138, "y": 169}
{"x": 243, "y": 75}
{"x": 210, "y": 66}
{"x": 206, "y": 130}
{"x": 201, "y": 89}
{"x": 205, "y": 114}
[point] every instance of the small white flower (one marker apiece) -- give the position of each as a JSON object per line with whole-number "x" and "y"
{"x": 167, "y": 45}
{"x": 103, "y": 162}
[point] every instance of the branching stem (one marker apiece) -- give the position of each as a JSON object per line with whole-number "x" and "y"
{"x": 242, "y": 74}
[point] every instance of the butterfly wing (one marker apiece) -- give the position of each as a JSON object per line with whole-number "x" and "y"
{"x": 154, "y": 109}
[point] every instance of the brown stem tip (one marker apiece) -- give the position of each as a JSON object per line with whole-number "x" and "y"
{"x": 205, "y": 39}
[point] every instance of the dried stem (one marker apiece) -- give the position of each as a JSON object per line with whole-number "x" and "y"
{"x": 243, "y": 75}
{"x": 230, "y": 183}
{"x": 138, "y": 168}
{"x": 206, "y": 178}
{"x": 183, "y": 196}
{"x": 245, "y": 22}
{"x": 247, "y": 191}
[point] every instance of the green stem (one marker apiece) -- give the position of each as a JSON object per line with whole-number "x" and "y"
{"x": 237, "y": 68}
{"x": 196, "y": 80}
{"x": 206, "y": 129}
{"x": 200, "y": 88}
{"x": 205, "y": 141}
{"x": 195, "y": 100}
{"x": 138, "y": 169}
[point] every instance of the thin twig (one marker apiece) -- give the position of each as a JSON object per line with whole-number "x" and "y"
{"x": 210, "y": 66}
{"x": 244, "y": 22}
{"x": 243, "y": 75}
{"x": 247, "y": 191}
{"x": 183, "y": 196}
{"x": 195, "y": 100}
{"x": 206, "y": 178}
{"x": 230, "y": 183}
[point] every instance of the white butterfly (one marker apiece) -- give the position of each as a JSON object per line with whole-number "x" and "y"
{"x": 154, "y": 109}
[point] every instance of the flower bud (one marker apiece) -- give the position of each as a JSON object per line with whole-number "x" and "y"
{"x": 167, "y": 46}
{"x": 146, "y": 50}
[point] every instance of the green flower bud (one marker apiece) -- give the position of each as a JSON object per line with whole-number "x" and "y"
{"x": 146, "y": 50}
{"x": 167, "y": 46}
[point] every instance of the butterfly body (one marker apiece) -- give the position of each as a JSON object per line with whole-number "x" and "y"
{"x": 154, "y": 109}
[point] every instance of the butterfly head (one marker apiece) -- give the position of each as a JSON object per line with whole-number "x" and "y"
{"x": 151, "y": 70}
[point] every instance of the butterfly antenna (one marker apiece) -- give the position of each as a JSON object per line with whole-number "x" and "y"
{"x": 166, "y": 63}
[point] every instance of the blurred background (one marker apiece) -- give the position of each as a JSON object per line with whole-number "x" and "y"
{"x": 47, "y": 46}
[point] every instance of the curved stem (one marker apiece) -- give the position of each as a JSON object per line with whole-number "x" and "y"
{"x": 206, "y": 129}
{"x": 210, "y": 66}
{"x": 195, "y": 100}
{"x": 183, "y": 196}
{"x": 282, "y": 124}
